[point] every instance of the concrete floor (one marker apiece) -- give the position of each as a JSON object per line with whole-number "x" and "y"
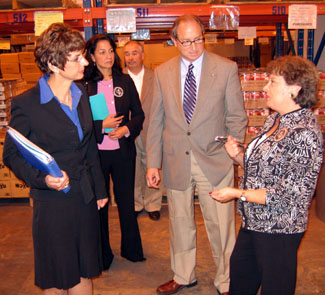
{"x": 127, "y": 278}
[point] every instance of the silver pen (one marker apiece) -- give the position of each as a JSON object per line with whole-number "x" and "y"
{"x": 223, "y": 139}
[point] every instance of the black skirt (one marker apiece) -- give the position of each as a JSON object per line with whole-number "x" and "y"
{"x": 67, "y": 243}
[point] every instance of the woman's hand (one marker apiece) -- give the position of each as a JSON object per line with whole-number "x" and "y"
{"x": 57, "y": 183}
{"x": 225, "y": 194}
{"x": 101, "y": 203}
{"x": 232, "y": 147}
{"x": 112, "y": 122}
{"x": 119, "y": 132}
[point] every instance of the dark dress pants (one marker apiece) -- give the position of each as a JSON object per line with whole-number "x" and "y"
{"x": 267, "y": 260}
{"x": 122, "y": 171}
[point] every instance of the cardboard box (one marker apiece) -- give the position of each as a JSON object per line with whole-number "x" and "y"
{"x": 31, "y": 77}
{"x": 5, "y": 189}
{"x": 2, "y": 142}
{"x": 19, "y": 189}
{"x": 255, "y": 104}
{"x": 321, "y": 84}
{"x": 27, "y": 68}
{"x": 26, "y": 57}
{"x": 9, "y": 58}
{"x": 21, "y": 39}
{"x": 4, "y": 172}
{"x": 11, "y": 77}
{"x": 257, "y": 85}
{"x": 10, "y": 68}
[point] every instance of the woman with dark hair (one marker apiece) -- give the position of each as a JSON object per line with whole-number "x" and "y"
{"x": 56, "y": 116}
{"x": 116, "y": 148}
{"x": 281, "y": 169}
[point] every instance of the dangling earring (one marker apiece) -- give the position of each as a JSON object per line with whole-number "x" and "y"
{"x": 94, "y": 64}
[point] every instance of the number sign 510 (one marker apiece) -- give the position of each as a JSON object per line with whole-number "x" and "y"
{"x": 279, "y": 10}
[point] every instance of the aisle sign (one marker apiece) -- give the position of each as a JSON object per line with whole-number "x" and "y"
{"x": 121, "y": 20}
{"x": 302, "y": 16}
{"x": 42, "y": 20}
{"x": 246, "y": 32}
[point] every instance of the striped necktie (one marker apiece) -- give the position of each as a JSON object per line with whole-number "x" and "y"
{"x": 189, "y": 94}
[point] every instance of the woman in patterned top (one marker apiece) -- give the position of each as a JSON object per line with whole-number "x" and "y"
{"x": 281, "y": 169}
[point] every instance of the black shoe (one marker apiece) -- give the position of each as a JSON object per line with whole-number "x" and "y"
{"x": 154, "y": 215}
{"x": 107, "y": 263}
{"x": 134, "y": 259}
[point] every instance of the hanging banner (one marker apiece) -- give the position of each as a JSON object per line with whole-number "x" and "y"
{"x": 302, "y": 16}
{"x": 121, "y": 20}
{"x": 42, "y": 19}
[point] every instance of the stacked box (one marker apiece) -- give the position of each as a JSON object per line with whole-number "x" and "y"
{"x": 10, "y": 68}
{"x": 8, "y": 89}
{"x": 18, "y": 188}
{"x": 29, "y": 69}
{"x": 252, "y": 83}
{"x": 5, "y": 187}
{"x": 10, "y": 186}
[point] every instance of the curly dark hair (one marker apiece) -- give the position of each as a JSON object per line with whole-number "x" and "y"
{"x": 55, "y": 44}
{"x": 298, "y": 71}
{"x": 91, "y": 71}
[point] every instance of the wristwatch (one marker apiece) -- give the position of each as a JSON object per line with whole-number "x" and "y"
{"x": 243, "y": 196}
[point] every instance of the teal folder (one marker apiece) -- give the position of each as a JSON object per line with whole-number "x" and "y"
{"x": 99, "y": 108}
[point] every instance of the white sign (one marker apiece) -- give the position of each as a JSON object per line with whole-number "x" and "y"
{"x": 246, "y": 32}
{"x": 121, "y": 20}
{"x": 249, "y": 41}
{"x": 43, "y": 19}
{"x": 302, "y": 16}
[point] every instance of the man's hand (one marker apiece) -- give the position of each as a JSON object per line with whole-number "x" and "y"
{"x": 153, "y": 177}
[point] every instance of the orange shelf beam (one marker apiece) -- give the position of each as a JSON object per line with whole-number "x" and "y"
{"x": 150, "y": 16}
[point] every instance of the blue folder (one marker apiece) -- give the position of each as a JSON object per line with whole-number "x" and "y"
{"x": 99, "y": 108}
{"x": 35, "y": 156}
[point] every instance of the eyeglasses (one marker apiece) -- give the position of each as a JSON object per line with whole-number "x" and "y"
{"x": 188, "y": 43}
{"x": 79, "y": 58}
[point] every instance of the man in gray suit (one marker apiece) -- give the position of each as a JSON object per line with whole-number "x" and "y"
{"x": 145, "y": 197}
{"x": 197, "y": 96}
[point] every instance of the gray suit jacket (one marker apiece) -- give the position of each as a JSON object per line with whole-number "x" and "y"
{"x": 219, "y": 111}
{"x": 146, "y": 96}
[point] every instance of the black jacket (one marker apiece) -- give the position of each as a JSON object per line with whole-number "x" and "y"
{"x": 50, "y": 128}
{"x": 126, "y": 102}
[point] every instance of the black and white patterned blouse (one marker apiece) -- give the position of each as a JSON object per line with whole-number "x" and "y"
{"x": 287, "y": 164}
